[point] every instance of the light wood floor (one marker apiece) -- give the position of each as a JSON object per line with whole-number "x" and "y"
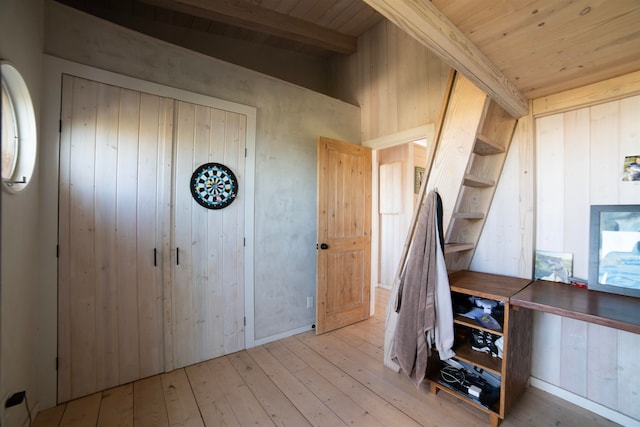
{"x": 335, "y": 379}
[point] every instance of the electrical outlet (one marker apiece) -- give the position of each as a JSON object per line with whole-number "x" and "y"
{"x": 309, "y": 302}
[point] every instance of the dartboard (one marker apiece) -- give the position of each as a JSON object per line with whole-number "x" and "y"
{"x": 214, "y": 186}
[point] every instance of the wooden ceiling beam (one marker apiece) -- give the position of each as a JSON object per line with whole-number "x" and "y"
{"x": 425, "y": 23}
{"x": 256, "y": 18}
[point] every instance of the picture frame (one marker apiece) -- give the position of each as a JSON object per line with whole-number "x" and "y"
{"x": 553, "y": 266}
{"x": 614, "y": 249}
{"x": 418, "y": 176}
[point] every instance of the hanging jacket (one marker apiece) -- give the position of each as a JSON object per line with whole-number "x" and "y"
{"x": 423, "y": 300}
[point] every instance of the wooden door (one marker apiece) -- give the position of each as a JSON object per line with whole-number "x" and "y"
{"x": 114, "y": 143}
{"x": 207, "y": 283}
{"x": 344, "y": 234}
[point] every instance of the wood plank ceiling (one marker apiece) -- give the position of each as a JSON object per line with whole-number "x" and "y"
{"x": 519, "y": 49}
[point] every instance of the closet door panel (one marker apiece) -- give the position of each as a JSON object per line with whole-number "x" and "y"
{"x": 182, "y": 295}
{"x": 127, "y": 211}
{"x": 206, "y": 299}
{"x": 155, "y": 144}
{"x": 107, "y": 342}
{"x": 233, "y": 232}
{"x": 81, "y": 270}
{"x": 110, "y": 292}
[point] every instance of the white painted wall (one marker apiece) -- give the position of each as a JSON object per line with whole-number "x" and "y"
{"x": 20, "y": 44}
{"x": 578, "y": 162}
{"x": 289, "y": 120}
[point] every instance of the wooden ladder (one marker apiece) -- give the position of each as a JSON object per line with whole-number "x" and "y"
{"x": 473, "y": 135}
{"x": 472, "y": 138}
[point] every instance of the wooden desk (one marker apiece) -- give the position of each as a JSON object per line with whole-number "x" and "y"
{"x": 602, "y": 308}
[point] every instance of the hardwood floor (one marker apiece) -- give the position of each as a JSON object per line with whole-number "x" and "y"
{"x": 334, "y": 379}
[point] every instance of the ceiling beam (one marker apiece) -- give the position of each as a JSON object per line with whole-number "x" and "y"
{"x": 256, "y": 18}
{"x": 425, "y": 23}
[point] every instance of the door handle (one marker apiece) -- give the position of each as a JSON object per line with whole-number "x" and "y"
{"x": 155, "y": 257}
{"x": 177, "y": 256}
{"x": 324, "y": 246}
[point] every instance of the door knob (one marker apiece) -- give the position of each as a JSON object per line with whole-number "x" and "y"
{"x": 324, "y": 246}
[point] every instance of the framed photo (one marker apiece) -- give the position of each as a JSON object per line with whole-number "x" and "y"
{"x": 614, "y": 249}
{"x": 553, "y": 266}
{"x": 418, "y": 176}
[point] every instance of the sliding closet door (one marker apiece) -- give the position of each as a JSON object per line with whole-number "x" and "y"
{"x": 114, "y": 171}
{"x": 207, "y": 283}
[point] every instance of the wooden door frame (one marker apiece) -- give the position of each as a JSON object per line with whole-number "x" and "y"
{"x": 49, "y": 172}
{"x": 427, "y": 132}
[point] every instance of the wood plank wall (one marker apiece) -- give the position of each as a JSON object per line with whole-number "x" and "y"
{"x": 398, "y": 83}
{"x": 580, "y": 156}
{"x": 576, "y": 158}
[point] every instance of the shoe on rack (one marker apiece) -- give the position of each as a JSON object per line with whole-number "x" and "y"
{"x": 484, "y": 342}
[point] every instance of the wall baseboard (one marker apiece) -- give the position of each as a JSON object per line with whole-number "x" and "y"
{"x": 282, "y": 335}
{"x": 587, "y": 404}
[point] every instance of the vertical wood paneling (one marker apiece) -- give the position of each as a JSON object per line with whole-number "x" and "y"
{"x": 214, "y": 263}
{"x": 126, "y": 232}
{"x": 125, "y": 313}
{"x": 550, "y": 202}
{"x": 107, "y": 345}
{"x": 589, "y": 146}
{"x": 155, "y": 134}
{"x": 629, "y": 145}
{"x": 573, "y": 356}
{"x": 182, "y": 290}
{"x": 363, "y": 85}
{"x": 81, "y": 280}
{"x": 393, "y": 224}
{"x": 399, "y": 84}
{"x": 602, "y": 350}
{"x": 233, "y": 218}
{"x": 391, "y": 188}
{"x": 407, "y": 80}
{"x": 547, "y": 341}
{"x": 575, "y": 333}
{"x": 64, "y": 196}
{"x": 203, "y": 285}
{"x": 577, "y": 141}
{"x": 628, "y": 367}
{"x": 606, "y": 161}
{"x": 208, "y": 292}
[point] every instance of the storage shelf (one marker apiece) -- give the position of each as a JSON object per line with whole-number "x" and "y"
{"x": 434, "y": 385}
{"x": 492, "y": 364}
{"x": 486, "y": 147}
{"x": 471, "y": 323}
{"x": 514, "y": 368}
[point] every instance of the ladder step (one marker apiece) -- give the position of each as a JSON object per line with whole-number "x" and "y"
{"x": 450, "y": 248}
{"x": 486, "y": 147}
{"x": 471, "y": 180}
{"x": 468, "y": 215}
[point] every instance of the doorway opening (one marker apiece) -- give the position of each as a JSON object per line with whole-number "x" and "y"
{"x": 398, "y": 165}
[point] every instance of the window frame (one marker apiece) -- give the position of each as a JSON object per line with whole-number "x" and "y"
{"x": 23, "y": 119}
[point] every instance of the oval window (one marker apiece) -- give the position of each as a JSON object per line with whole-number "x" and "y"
{"x": 19, "y": 140}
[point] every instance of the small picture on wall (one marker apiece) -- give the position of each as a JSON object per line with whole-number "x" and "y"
{"x": 417, "y": 179}
{"x": 631, "y": 170}
{"x": 553, "y": 266}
